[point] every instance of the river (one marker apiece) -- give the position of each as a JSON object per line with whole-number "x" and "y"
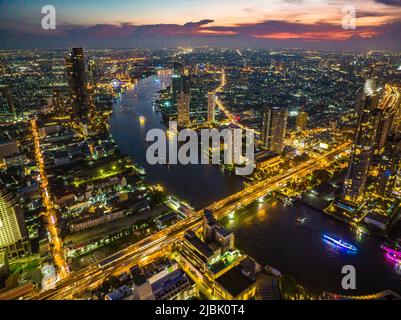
{"x": 199, "y": 185}
{"x": 268, "y": 232}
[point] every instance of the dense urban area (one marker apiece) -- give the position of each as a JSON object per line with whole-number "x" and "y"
{"x": 83, "y": 216}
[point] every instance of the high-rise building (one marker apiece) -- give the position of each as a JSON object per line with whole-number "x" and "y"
{"x": 211, "y": 107}
{"x": 179, "y": 83}
{"x": 274, "y": 128}
{"x": 389, "y": 167}
{"x": 77, "y": 83}
{"x": 389, "y": 106}
{"x": 183, "y": 102}
{"x": 393, "y": 102}
{"x": 13, "y": 232}
{"x": 363, "y": 146}
{"x": 92, "y": 72}
{"x": 7, "y": 110}
{"x": 302, "y": 120}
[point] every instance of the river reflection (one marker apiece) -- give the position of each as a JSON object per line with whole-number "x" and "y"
{"x": 199, "y": 185}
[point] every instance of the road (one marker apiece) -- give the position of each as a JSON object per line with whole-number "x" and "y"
{"x": 92, "y": 276}
{"x": 221, "y": 106}
{"x": 56, "y": 244}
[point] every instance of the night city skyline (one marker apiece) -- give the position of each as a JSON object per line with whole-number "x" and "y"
{"x": 188, "y": 151}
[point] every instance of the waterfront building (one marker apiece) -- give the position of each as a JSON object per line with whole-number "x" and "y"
{"x": 77, "y": 84}
{"x": 274, "y": 128}
{"x": 389, "y": 106}
{"x": 393, "y": 101}
{"x": 388, "y": 169}
{"x": 183, "y": 103}
{"x": 363, "y": 146}
{"x": 211, "y": 107}
{"x": 13, "y": 232}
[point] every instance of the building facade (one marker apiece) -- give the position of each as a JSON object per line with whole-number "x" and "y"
{"x": 274, "y": 128}
{"x": 13, "y": 232}
{"x": 363, "y": 146}
{"x": 76, "y": 76}
{"x": 211, "y": 107}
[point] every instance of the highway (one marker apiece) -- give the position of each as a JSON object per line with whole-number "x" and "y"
{"x": 92, "y": 276}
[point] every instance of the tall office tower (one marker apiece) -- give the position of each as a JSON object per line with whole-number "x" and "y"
{"x": 392, "y": 99}
{"x": 92, "y": 73}
{"x": 77, "y": 82}
{"x": 7, "y": 110}
{"x": 183, "y": 102}
{"x": 274, "y": 127}
{"x": 180, "y": 83}
{"x": 389, "y": 167}
{"x": 13, "y": 232}
{"x": 302, "y": 120}
{"x": 363, "y": 146}
{"x": 211, "y": 107}
{"x": 389, "y": 106}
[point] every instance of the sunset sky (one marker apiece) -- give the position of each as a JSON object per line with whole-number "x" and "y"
{"x": 152, "y": 23}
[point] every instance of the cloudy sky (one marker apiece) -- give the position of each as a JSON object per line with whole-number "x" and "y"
{"x": 229, "y": 23}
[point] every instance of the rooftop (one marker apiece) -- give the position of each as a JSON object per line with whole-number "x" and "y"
{"x": 234, "y": 282}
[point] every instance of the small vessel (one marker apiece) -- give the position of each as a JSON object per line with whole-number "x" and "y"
{"x": 391, "y": 251}
{"x": 302, "y": 220}
{"x": 393, "y": 257}
{"x": 339, "y": 243}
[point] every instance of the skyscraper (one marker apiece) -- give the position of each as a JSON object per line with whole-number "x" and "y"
{"x": 274, "y": 127}
{"x": 12, "y": 224}
{"x": 302, "y": 120}
{"x": 393, "y": 93}
{"x": 183, "y": 102}
{"x": 363, "y": 146}
{"x": 77, "y": 83}
{"x": 7, "y": 111}
{"x": 179, "y": 83}
{"x": 211, "y": 106}
{"x": 389, "y": 105}
{"x": 92, "y": 72}
{"x": 389, "y": 166}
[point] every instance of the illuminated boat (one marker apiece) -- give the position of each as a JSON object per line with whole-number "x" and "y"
{"x": 301, "y": 220}
{"x": 142, "y": 118}
{"x": 340, "y": 243}
{"x": 393, "y": 257}
{"x": 391, "y": 250}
